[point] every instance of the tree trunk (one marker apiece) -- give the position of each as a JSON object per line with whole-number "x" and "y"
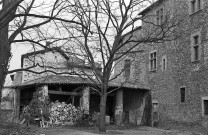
{"x": 102, "y": 127}
{"x": 5, "y": 54}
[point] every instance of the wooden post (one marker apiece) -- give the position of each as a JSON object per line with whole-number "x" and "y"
{"x": 60, "y": 88}
{"x": 72, "y": 100}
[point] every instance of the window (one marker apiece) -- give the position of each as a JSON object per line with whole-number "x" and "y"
{"x": 159, "y": 16}
{"x": 199, "y": 5}
{"x": 204, "y": 106}
{"x": 164, "y": 63}
{"x": 127, "y": 67}
{"x": 183, "y": 94}
{"x": 153, "y": 61}
{"x": 195, "y": 5}
{"x": 195, "y": 47}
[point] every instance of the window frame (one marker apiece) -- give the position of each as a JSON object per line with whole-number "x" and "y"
{"x": 153, "y": 61}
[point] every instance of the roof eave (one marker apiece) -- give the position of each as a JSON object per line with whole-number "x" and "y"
{"x": 150, "y": 7}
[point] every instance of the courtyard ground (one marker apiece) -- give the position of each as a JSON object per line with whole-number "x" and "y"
{"x": 194, "y": 128}
{"x": 162, "y": 129}
{"x": 116, "y": 131}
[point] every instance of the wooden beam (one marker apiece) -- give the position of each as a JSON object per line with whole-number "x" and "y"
{"x": 64, "y": 93}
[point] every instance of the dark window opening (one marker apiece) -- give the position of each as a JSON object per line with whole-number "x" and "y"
{"x": 164, "y": 64}
{"x": 199, "y": 4}
{"x": 183, "y": 92}
{"x": 196, "y": 47}
{"x": 196, "y": 40}
{"x": 153, "y": 63}
{"x": 193, "y": 4}
{"x": 205, "y": 107}
{"x": 159, "y": 16}
{"x": 127, "y": 68}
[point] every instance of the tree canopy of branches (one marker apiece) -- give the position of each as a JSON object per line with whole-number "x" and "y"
{"x": 98, "y": 31}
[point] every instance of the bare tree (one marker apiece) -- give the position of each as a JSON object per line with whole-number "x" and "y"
{"x": 110, "y": 34}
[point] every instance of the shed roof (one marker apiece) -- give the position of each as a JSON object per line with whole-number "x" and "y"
{"x": 72, "y": 80}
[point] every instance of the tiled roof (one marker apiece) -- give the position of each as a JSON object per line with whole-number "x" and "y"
{"x": 55, "y": 79}
{"x": 156, "y": 3}
{"x": 73, "y": 80}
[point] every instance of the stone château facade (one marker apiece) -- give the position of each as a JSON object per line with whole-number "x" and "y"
{"x": 175, "y": 71}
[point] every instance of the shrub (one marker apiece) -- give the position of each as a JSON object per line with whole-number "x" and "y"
{"x": 36, "y": 109}
{"x": 85, "y": 121}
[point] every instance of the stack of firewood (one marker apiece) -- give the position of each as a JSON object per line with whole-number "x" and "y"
{"x": 61, "y": 113}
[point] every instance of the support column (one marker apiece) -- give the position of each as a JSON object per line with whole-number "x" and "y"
{"x": 16, "y": 104}
{"x": 119, "y": 107}
{"x": 85, "y": 100}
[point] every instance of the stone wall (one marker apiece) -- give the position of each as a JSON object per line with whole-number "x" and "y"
{"x": 181, "y": 71}
{"x": 53, "y": 59}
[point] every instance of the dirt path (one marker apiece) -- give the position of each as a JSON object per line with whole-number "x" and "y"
{"x": 138, "y": 131}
